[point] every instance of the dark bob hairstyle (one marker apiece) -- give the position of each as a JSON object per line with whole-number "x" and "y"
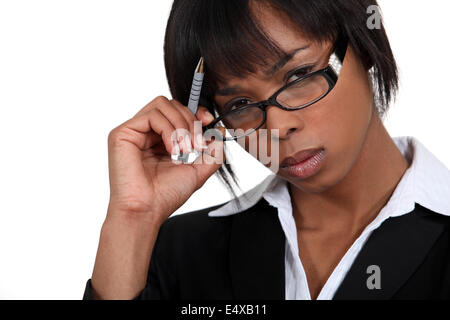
{"x": 228, "y": 36}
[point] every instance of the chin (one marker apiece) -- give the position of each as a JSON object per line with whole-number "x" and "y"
{"x": 322, "y": 181}
{"x": 312, "y": 186}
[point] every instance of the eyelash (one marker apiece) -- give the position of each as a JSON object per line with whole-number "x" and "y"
{"x": 305, "y": 69}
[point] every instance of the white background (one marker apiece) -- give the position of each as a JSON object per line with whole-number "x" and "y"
{"x": 70, "y": 71}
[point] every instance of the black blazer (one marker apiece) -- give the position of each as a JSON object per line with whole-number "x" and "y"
{"x": 242, "y": 257}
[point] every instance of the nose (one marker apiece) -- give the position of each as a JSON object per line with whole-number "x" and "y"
{"x": 287, "y": 122}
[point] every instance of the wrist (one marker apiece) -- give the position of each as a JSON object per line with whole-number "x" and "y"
{"x": 123, "y": 257}
{"x": 134, "y": 215}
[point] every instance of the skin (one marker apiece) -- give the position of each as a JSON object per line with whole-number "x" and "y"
{"x": 362, "y": 165}
{"x": 361, "y": 169}
{"x": 145, "y": 190}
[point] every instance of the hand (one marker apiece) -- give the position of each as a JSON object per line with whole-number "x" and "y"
{"x": 144, "y": 181}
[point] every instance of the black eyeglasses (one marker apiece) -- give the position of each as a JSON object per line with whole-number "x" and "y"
{"x": 298, "y": 94}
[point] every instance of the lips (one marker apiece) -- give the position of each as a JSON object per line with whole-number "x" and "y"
{"x": 299, "y": 157}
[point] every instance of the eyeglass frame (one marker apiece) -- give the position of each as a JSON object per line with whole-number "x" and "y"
{"x": 330, "y": 73}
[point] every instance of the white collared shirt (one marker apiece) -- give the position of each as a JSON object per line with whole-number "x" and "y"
{"x": 426, "y": 181}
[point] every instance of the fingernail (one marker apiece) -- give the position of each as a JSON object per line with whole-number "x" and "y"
{"x": 209, "y": 116}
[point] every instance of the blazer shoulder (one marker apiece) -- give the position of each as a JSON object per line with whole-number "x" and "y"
{"x": 197, "y": 228}
{"x": 192, "y": 226}
{"x": 193, "y": 219}
{"x": 432, "y": 216}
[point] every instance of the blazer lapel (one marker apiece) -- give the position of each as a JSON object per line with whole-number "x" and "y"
{"x": 256, "y": 262}
{"x": 397, "y": 247}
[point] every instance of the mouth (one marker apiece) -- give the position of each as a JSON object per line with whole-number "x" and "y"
{"x": 305, "y": 163}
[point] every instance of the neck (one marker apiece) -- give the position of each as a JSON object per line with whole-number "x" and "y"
{"x": 356, "y": 200}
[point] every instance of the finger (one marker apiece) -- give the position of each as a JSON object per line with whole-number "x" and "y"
{"x": 148, "y": 129}
{"x": 183, "y": 127}
{"x": 177, "y": 120}
{"x": 152, "y": 104}
{"x": 204, "y": 115}
{"x": 209, "y": 162}
{"x": 195, "y": 127}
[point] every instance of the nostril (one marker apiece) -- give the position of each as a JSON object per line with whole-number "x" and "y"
{"x": 291, "y": 130}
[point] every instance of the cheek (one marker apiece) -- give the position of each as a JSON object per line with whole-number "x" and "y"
{"x": 341, "y": 122}
{"x": 346, "y": 124}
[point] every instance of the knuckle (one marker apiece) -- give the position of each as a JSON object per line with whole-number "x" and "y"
{"x": 112, "y": 136}
{"x": 160, "y": 99}
{"x": 117, "y": 135}
{"x": 175, "y": 102}
{"x": 181, "y": 107}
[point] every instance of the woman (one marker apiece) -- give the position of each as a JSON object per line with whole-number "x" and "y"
{"x": 351, "y": 212}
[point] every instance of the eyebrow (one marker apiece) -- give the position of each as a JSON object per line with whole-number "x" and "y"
{"x": 280, "y": 64}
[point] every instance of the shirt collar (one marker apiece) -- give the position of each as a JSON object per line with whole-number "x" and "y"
{"x": 426, "y": 181}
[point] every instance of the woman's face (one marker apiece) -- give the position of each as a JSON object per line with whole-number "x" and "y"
{"x": 337, "y": 124}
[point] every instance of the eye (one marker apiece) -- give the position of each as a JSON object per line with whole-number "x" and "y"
{"x": 235, "y": 104}
{"x": 298, "y": 73}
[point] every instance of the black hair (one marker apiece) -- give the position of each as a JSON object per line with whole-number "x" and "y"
{"x": 227, "y": 34}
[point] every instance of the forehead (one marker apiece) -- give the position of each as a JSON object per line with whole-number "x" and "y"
{"x": 251, "y": 44}
{"x": 279, "y": 29}
{"x": 278, "y": 26}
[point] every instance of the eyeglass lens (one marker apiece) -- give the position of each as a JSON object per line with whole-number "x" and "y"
{"x": 247, "y": 118}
